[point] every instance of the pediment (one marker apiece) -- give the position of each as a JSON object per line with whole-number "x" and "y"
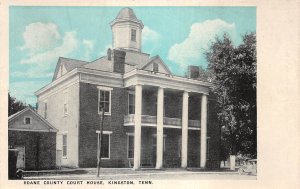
{"x": 156, "y": 65}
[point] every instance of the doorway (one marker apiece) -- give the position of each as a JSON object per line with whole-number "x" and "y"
{"x": 154, "y": 149}
{"x": 21, "y": 157}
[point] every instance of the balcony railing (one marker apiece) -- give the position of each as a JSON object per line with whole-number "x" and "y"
{"x": 151, "y": 120}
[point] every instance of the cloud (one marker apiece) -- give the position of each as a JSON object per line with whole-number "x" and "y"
{"x": 89, "y": 47}
{"x": 40, "y": 37}
{"x": 190, "y": 51}
{"x": 69, "y": 44}
{"x": 45, "y": 45}
{"x": 150, "y": 39}
{"x": 149, "y": 35}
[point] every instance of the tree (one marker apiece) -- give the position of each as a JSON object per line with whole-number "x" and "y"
{"x": 14, "y": 105}
{"x": 233, "y": 72}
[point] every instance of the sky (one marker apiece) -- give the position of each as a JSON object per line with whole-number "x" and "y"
{"x": 38, "y": 36}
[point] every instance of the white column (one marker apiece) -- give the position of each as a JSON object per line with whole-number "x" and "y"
{"x": 203, "y": 130}
{"x": 160, "y": 128}
{"x": 137, "y": 126}
{"x": 185, "y": 122}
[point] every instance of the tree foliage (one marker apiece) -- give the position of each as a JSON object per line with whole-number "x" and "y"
{"x": 233, "y": 72}
{"x": 14, "y": 105}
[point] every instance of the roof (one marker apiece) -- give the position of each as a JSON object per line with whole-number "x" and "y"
{"x": 17, "y": 115}
{"x": 69, "y": 65}
{"x": 126, "y": 14}
{"x": 102, "y": 64}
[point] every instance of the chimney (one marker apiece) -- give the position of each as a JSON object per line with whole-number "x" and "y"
{"x": 109, "y": 54}
{"x": 118, "y": 61}
{"x": 193, "y": 72}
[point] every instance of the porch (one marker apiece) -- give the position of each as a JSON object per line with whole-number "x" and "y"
{"x": 151, "y": 121}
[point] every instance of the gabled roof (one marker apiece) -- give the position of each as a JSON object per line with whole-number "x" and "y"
{"x": 69, "y": 65}
{"x": 46, "y": 124}
{"x": 156, "y": 59}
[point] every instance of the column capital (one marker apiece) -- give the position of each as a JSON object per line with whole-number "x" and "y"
{"x": 139, "y": 84}
{"x": 186, "y": 93}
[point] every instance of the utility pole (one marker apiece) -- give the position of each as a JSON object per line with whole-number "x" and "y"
{"x": 99, "y": 146}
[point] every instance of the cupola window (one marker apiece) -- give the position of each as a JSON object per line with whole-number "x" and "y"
{"x": 133, "y": 35}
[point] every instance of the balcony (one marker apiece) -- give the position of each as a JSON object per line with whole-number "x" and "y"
{"x": 151, "y": 121}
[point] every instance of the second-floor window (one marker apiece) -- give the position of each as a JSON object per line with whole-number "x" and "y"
{"x": 133, "y": 35}
{"x": 45, "y": 110}
{"x": 65, "y": 106}
{"x": 104, "y": 101}
{"x": 131, "y": 103}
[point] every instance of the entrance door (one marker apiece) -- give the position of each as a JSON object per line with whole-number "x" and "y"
{"x": 21, "y": 157}
{"x": 154, "y": 151}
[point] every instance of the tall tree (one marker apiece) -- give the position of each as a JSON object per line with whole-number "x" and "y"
{"x": 14, "y": 105}
{"x": 233, "y": 72}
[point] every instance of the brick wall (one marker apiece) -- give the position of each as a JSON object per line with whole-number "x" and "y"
{"x": 90, "y": 122}
{"x": 40, "y": 148}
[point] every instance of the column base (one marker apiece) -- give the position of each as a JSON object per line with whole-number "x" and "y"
{"x": 159, "y": 167}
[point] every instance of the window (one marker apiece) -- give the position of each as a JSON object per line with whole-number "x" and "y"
{"x": 64, "y": 145}
{"x": 105, "y": 151}
{"x": 131, "y": 103}
{"x": 155, "y": 67}
{"x": 65, "y": 105}
{"x": 133, "y": 35}
{"x": 104, "y": 99}
{"x": 27, "y": 120}
{"x": 207, "y": 148}
{"x": 179, "y": 146}
{"x": 130, "y": 146}
{"x": 45, "y": 110}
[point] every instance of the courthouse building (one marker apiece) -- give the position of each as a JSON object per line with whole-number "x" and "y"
{"x": 152, "y": 118}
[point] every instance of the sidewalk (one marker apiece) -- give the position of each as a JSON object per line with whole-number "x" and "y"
{"x": 117, "y": 173}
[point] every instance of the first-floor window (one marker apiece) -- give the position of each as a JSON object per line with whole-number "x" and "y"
{"x": 207, "y": 148}
{"x": 130, "y": 146}
{"x": 105, "y": 146}
{"x": 179, "y": 146}
{"x": 64, "y": 145}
